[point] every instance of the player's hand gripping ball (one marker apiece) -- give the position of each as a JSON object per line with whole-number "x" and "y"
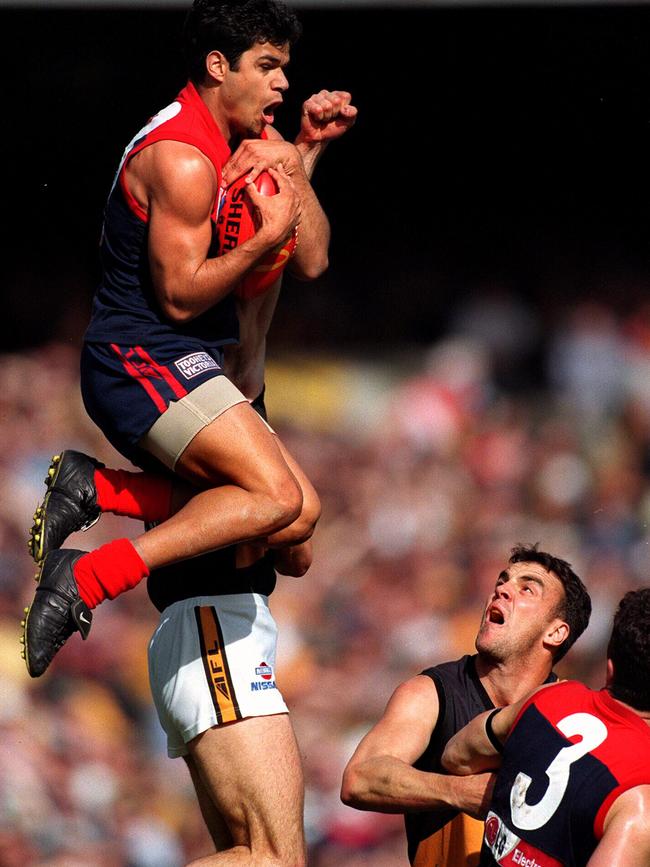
{"x": 236, "y": 224}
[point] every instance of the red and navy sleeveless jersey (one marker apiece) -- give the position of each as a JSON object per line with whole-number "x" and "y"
{"x": 125, "y": 308}
{"x": 570, "y": 754}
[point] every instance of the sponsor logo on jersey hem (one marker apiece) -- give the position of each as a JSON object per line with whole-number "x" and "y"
{"x": 266, "y": 673}
{"x": 510, "y": 850}
{"x": 195, "y": 364}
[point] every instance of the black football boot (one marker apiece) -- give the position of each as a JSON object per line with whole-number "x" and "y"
{"x": 70, "y": 503}
{"x": 56, "y": 612}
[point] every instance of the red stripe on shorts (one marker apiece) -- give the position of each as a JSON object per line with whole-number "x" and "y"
{"x": 148, "y": 386}
{"x": 166, "y": 374}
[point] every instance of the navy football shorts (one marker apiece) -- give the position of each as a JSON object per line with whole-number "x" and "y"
{"x": 126, "y": 389}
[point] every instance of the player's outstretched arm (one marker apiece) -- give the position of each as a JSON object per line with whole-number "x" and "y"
{"x": 380, "y": 776}
{"x": 178, "y": 186}
{"x": 626, "y": 837}
{"x": 471, "y": 751}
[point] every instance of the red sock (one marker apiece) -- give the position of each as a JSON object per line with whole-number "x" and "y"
{"x": 134, "y": 495}
{"x": 109, "y": 571}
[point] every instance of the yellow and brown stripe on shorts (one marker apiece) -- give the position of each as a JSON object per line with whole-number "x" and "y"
{"x": 215, "y": 664}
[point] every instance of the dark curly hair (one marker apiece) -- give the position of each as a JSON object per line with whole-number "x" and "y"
{"x": 629, "y": 650}
{"x": 575, "y": 608}
{"x": 232, "y": 27}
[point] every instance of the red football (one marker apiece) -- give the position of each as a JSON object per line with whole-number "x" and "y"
{"x": 235, "y": 224}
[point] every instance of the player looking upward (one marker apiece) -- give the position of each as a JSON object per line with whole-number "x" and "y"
{"x": 573, "y": 787}
{"x": 538, "y": 609}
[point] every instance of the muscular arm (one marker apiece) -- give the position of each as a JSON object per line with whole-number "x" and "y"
{"x": 326, "y": 116}
{"x": 380, "y": 776}
{"x": 626, "y": 838}
{"x": 470, "y": 751}
{"x": 177, "y": 186}
{"x": 254, "y": 156}
{"x": 311, "y": 257}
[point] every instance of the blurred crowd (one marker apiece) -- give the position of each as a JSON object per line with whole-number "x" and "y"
{"x": 431, "y": 465}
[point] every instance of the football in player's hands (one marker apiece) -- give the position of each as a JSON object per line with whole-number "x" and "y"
{"x": 236, "y": 224}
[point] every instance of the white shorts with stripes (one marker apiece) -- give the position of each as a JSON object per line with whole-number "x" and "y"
{"x": 211, "y": 662}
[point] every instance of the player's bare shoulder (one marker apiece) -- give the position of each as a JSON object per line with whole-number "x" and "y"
{"x": 172, "y": 173}
{"x": 412, "y": 708}
{"x": 416, "y": 696}
{"x": 405, "y": 727}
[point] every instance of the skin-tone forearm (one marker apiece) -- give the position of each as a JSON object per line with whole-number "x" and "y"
{"x": 386, "y": 784}
{"x": 310, "y": 153}
{"x": 320, "y": 123}
{"x": 189, "y": 283}
{"x": 380, "y": 775}
{"x": 470, "y": 751}
{"x": 326, "y": 116}
{"x": 244, "y": 362}
{"x": 310, "y": 259}
{"x": 212, "y": 280}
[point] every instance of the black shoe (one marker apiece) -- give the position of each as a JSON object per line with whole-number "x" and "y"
{"x": 56, "y": 612}
{"x": 70, "y": 503}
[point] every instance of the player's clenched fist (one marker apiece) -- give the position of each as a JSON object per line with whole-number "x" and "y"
{"x": 326, "y": 115}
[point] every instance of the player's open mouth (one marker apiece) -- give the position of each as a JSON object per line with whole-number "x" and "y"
{"x": 268, "y": 112}
{"x": 495, "y": 615}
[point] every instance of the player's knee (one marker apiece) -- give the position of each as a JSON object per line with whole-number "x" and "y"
{"x": 285, "y": 854}
{"x": 299, "y": 531}
{"x": 302, "y": 528}
{"x": 310, "y": 514}
{"x": 278, "y": 844}
{"x": 285, "y": 504}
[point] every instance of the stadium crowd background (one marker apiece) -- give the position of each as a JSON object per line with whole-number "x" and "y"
{"x": 429, "y": 467}
{"x": 472, "y": 372}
